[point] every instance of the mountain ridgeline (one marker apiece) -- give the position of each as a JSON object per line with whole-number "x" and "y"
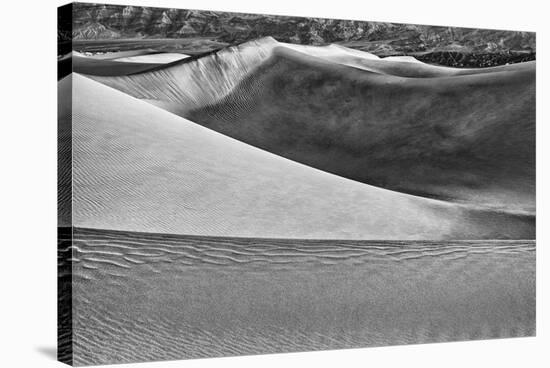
{"x": 452, "y": 46}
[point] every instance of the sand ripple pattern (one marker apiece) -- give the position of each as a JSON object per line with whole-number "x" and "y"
{"x": 96, "y": 248}
{"x": 205, "y": 80}
{"x": 141, "y": 297}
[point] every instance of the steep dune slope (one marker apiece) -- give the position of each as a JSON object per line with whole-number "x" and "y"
{"x": 194, "y": 83}
{"x": 467, "y": 138}
{"x": 139, "y": 168}
{"x": 199, "y": 82}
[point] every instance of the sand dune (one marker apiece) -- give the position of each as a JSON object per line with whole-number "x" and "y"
{"x": 115, "y": 54}
{"x": 466, "y": 138}
{"x": 229, "y": 66}
{"x": 108, "y": 67}
{"x": 116, "y": 63}
{"x": 199, "y": 82}
{"x": 207, "y": 296}
{"x": 136, "y": 56}
{"x": 195, "y": 83}
{"x": 64, "y": 149}
{"x": 139, "y": 168}
{"x": 159, "y": 58}
{"x": 400, "y": 66}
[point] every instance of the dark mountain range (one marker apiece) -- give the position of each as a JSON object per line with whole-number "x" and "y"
{"x": 98, "y": 21}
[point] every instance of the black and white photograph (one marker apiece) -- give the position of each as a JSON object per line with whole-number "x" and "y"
{"x": 238, "y": 182}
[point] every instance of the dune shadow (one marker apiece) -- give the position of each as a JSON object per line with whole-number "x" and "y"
{"x": 48, "y": 351}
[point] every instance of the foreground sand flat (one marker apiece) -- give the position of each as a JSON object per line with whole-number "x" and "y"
{"x": 140, "y": 297}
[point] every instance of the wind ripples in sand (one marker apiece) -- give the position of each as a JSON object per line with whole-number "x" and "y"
{"x": 124, "y": 249}
{"x": 140, "y": 296}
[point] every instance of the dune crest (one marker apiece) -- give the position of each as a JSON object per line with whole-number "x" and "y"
{"x": 191, "y": 84}
{"x": 464, "y": 138}
{"x": 199, "y": 82}
{"x": 139, "y": 168}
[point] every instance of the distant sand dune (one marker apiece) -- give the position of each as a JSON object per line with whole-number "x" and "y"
{"x": 118, "y": 63}
{"x": 467, "y": 135}
{"x": 107, "y": 67}
{"x": 401, "y": 66}
{"x": 139, "y": 168}
{"x": 159, "y": 58}
{"x": 114, "y": 55}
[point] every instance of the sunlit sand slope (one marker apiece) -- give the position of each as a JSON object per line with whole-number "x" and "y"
{"x": 467, "y": 135}
{"x": 64, "y": 157}
{"x": 117, "y": 63}
{"x": 160, "y": 58}
{"x": 137, "y": 167}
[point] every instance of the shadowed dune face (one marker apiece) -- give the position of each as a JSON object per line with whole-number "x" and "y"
{"x": 195, "y": 83}
{"x": 189, "y": 85}
{"x": 469, "y": 139}
{"x": 462, "y": 135}
{"x": 139, "y": 168}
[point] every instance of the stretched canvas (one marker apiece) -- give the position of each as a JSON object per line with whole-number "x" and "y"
{"x": 245, "y": 184}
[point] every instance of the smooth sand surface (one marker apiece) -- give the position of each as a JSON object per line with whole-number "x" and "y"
{"x": 160, "y": 58}
{"x": 108, "y": 67}
{"x": 465, "y": 138}
{"x": 137, "y": 167}
{"x": 117, "y": 63}
{"x": 398, "y": 66}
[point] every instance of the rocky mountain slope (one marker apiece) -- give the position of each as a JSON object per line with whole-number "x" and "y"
{"x": 451, "y": 45}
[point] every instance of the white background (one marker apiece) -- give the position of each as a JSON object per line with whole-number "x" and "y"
{"x": 28, "y": 181}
